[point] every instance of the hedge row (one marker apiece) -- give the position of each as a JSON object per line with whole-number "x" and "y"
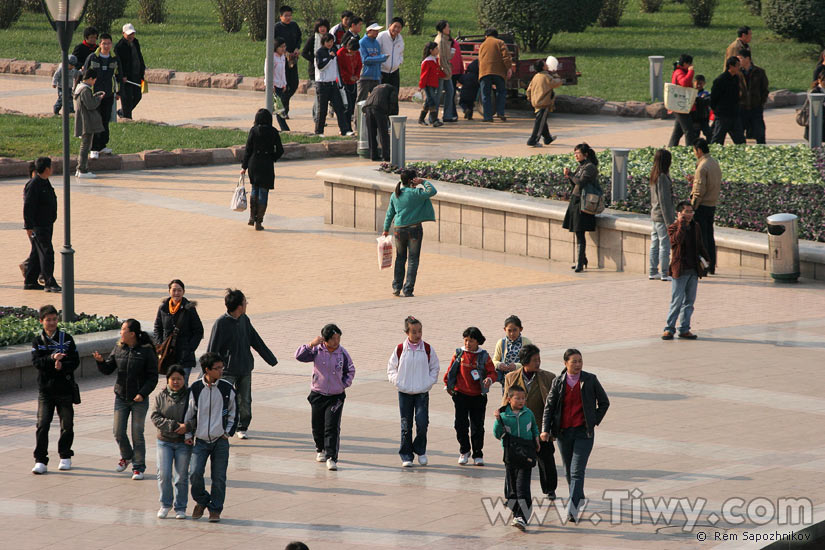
{"x": 20, "y": 325}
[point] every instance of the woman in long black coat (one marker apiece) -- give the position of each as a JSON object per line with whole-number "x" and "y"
{"x": 575, "y": 220}
{"x": 176, "y": 309}
{"x": 263, "y": 149}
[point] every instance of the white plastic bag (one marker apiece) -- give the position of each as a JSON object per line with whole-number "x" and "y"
{"x": 384, "y": 252}
{"x": 238, "y": 203}
{"x": 679, "y": 99}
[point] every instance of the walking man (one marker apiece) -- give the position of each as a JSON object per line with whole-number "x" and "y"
{"x": 232, "y": 336}
{"x": 754, "y": 84}
{"x": 39, "y": 215}
{"x": 392, "y": 45}
{"x": 134, "y": 69}
{"x": 687, "y": 253}
{"x": 211, "y": 418}
{"x": 109, "y": 79}
{"x": 707, "y": 185}
{"x": 289, "y": 31}
{"x": 495, "y": 67}
{"x": 742, "y": 42}
{"x": 381, "y": 104}
{"x": 724, "y": 100}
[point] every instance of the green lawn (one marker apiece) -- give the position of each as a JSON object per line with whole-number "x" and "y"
{"x": 26, "y": 137}
{"x": 613, "y": 61}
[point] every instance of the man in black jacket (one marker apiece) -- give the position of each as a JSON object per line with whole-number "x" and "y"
{"x": 232, "y": 336}
{"x": 290, "y": 32}
{"x": 380, "y": 104}
{"x": 134, "y": 69}
{"x": 724, "y": 100}
{"x": 754, "y": 84}
{"x": 54, "y": 355}
{"x": 87, "y": 47}
{"x": 39, "y": 215}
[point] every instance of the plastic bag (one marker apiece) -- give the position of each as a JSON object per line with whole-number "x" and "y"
{"x": 679, "y": 99}
{"x": 384, "y": 252}
{"x": 238, "y": 203}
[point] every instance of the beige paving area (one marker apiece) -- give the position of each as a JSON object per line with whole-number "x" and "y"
{"x": 732, "y": 415}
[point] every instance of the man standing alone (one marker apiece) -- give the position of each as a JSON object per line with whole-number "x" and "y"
{"x": 495, "y": 65}
{"x": 39, "y": 215}
{"x": 707, "y": 185}
{"x": 134, "y": 69}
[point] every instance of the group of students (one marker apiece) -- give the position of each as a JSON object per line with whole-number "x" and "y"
{"x": 195, "y": 422}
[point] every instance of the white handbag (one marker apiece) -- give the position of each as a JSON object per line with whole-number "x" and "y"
{"x": 238, "y": 203}
{"x": 679, "y": 99}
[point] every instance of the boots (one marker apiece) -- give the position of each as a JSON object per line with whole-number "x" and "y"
{"x": 422, "y": 116}
{"x": 253, "y": 206}
{"x": 259, "y": 218}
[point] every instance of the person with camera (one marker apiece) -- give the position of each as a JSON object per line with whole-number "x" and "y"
{"x": 576, "y": 221}
{"x": 683, "y": 126}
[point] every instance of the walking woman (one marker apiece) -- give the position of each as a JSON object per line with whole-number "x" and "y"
{"x": 177, "y": 318}
{"x": 136, "y": 362}
{"x": 263, "y": 149}
{"x": 576, "y": 405}
{"x": 174, "y": 449}
{"x": 683, "y": 126}
{"x": 575, "y": 220}
{"x": 410, "y": 205}
{"x": 662, "y": 213}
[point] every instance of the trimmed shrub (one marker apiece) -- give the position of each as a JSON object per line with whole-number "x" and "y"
{"x": 10, "y": 11}
{"x": 413, "y": 13}
{"x": 229, "y": 14}
{"x": 701, "y": 11}
{"x": 255, "y": 17}
{"x": 802, "y": 20}
{"x": 312, "y": 10}
{"x": 754, "y": 6}
{"x": 611, "y": 13}
{"x": 102, "y": 13}
{"x": 19, "y": 325}
{"x": 33, "y": 6}
{"x": 368, "y": 9}
{"x": 152, "y": 11}
{"x": 651, "y": 6}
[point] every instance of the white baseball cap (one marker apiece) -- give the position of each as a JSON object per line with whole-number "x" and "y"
{"x": 374, "y": 27}
{"x": 552, "y": 63}
{"x": 128, "y": 28}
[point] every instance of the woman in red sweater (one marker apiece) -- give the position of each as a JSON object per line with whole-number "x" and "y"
{"x": 349, "y": 71}
{"x": 431, "y": 73}
{"x": 470, "y": 375}
{"x": 683, "y": 126}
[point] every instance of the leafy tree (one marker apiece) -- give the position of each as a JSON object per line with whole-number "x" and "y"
{"x": 152, "y": 11}
{"x": 368, "y": 9}
{"x": 611, "y": 13}
{"x": 802, "y": 20}
{"x": 10, "y": 11}
{"x": 229, "y": 14}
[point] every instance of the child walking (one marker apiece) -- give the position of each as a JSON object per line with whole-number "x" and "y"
{"x": 332, "y": 374}
{"x": 541, "y": 96}
{"x": 701, "y": 114}
{"x": 57, "y": 82}
{"x": 413, "y": 369}
{"x": 431, "y": 73}
{"x": 514, "y": 420}
{"x": 468, "y": 379}
{"x": 505, "y": 356}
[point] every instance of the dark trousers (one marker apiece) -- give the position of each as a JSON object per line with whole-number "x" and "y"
{"x": 702, "y": 127}
{"x": 41, "y": 257}
{"x": 327, "y": 92}
{"x": 540, "y": 128}
{"x": 59, "y": 103}
{"x": 581, "y": 243}
{"x": 575, "y": 447}
{"x": 683, "y": 126}
{"x": 413, "y": 406}
{"x": 378, "y": 127}
{"x": 281, "y": 93}
{"x": 724, "y": 125}
{"x": 393, "y": 78}
{"x": 291, "y": 85}
{"x": 130, "y": 96}
{"x": 469, "y": 414}
{"x": 548, "y": 476}
{"x": 365, "y": 86}
{"x": 46, "y": 404}
{"x": 754, "y": 124}
{"x": 243, "y": 383}
{"x": 704, "y": 217}
{"x": 407, "y": 242}
{"x": 517, "y": 490}
{"x": 101, "y": 139}
{"x": 326, "y": 422}
{"x": 352, "y": 95}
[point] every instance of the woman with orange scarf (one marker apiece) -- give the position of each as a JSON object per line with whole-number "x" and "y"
{"x": 178, "y": 313}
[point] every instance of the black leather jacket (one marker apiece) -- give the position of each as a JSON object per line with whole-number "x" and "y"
{"x": 137, "y": 370}
{"x": 594, "y": 403}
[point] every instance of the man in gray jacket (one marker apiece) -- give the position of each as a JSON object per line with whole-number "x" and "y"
{"x": 232, "y": 336}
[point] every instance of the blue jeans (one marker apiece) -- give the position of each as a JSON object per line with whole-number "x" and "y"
{"x": 487, "y": 83}
{"x": 173, "y": 455}
{"x": 431, "y": 101}
{"x": 417, "y": 405}
{"x": 446, "y": 90}
{"x": 218, "y": 454}
{"x": 575, "y": 447}
{"x": 406, "y": 239}
{"x": 683, "y": 294}
{"x": 259, "y": 194}
{"x": 138, "y": 410}
{"x": 659, "y": 249}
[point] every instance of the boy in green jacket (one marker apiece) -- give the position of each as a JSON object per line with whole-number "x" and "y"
{"x": 515, "y": 420}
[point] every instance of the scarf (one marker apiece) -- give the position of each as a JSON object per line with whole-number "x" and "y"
{"x": 513, "y": 349}
{"x": 572, "y": 379}
{"x": 173, "y": 307}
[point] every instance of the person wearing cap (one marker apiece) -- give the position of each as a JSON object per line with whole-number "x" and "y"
{"x": 131, "y": 59}
{"x": 392, "y": 44}
{"x": 540, "y": 94}
{"x": 57, "y": 82}
{"x": 372, "y": 58}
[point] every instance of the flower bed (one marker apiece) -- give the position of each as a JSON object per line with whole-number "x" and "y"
{"x": 758, "y": 181}
{"x": 20, "y": 325}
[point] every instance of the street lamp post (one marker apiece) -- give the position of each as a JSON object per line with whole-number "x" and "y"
{"x": 64, "y": 16}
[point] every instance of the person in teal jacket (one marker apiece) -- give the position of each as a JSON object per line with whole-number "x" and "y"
{"x": 516, "y": 420}
{"x": 409, "y": 206}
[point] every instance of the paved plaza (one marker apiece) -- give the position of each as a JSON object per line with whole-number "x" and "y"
{"x": 735, "y": 414}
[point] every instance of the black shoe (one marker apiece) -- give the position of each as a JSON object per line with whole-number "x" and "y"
{"x": 549, "y": 141}
{"x": 410, "y": 295}
{"x": 396, "y": 293}
{"x": 33, "y": 286}
{"x": 551, "y": 495}
{"x": 571, "y": 518}
{"x": 120, "y": 113}
{"x": 502, "y": 118}
{"x": 578, "y": 268}
{"x": 54, "y": 287}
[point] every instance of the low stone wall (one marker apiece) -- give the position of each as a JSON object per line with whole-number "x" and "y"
{"x": 530, "y": 226}
{"x": 16, "y": 370}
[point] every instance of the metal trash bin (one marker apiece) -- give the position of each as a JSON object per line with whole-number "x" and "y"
{"x": 363, "y": 149}
{"x": 783, "y": 247}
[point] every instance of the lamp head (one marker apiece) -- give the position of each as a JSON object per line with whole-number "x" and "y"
{"x": 64, "y": 11}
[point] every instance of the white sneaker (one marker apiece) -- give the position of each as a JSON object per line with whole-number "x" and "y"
{"x": 464, "y": 458}
{"x": 407, "y": 464}
{"x": 39, "y": 468}
{"x": 65, "y": 464}
{"x": 85, "y": 175}
{"x": 137, "y": 475}
{"x": 479, "y": 461}
{"x": 180, "y": 515}
{"x": 163, "y": 512}
{"x": 94, "y": 154}
{"x": 654, "y": 277}
{"x": 667, "y": 278}
{"x": 242, "y": 435}
{"x": 422, "y": 459}
{"x": 331, "y": 465}
{"x": 321, "y": 457}
{"x": 121, "y": 465}
{"x": 106, "y": 150}
{"x": 350, "y": 133}
{"x": 519, "y": 524}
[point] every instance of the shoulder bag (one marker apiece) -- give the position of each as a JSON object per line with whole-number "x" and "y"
{"x": 592, "y": 201}
{"x": 518, "y": 452}
{"x": 166, "y": 350}
{"x": 238, "y": 203}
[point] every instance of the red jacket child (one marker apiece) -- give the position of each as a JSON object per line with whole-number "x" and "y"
{"x": 349, "y": 65}
{"x": 430, "y": 73}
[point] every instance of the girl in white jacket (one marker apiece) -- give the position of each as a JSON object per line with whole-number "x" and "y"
{"x": 413, "y": 368}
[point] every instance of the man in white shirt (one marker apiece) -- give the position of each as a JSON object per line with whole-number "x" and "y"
{"x": 392, "y": 45}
